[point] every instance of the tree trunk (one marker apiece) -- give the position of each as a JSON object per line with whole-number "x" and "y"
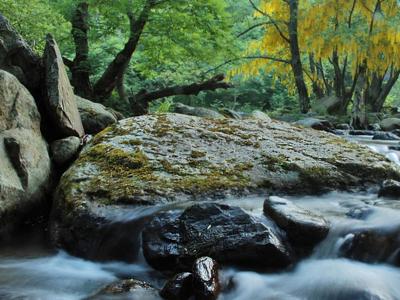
{"x": 80, "y": 66}
{"x": 304, "y": 101}
{"x": 317, "y": 89}
{"x": 108, "y": 81}
{"x": 140, "y": 102}
{"x": 378, "y": 90}
{"x": 359, "y": 116}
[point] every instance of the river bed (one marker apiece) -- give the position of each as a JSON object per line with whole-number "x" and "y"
{"x": 31, "y": 269}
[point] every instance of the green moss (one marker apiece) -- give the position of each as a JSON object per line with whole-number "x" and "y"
{"x": 132, "y": 142}
{"x": 278, "y": 163}
{"x": 197, "y": 154}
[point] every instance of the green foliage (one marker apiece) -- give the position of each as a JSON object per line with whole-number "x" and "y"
{"x": 33, "y": 19}
{"x": 164, "y": 106}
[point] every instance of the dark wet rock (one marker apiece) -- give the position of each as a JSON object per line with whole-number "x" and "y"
{"x": 373, "y": 246}
{"x": 390, "y": 124}
{"x": 206, "y": 279}
{"x": 143, "y": 161}
{"x": 396, "y": 132}
{"x": 178, "y": 288}
{"x": 386, "y": 136}
{"x": 196, "y": 111}
{"x": 65, "y": 150}
{"x": 343, "y": 126}
{"x": 60, "y": 99}
{"x": 390, "y": 189}
{"x": 127, "y": 289}
{"x": 95, "y": 117}
{"x": 304, "y": 228}
{"x": 362, "y": 132}
{"x": 360, "y": 213}
{"x": 24, "y": 159}
{"x": 374, "y": 127}
{"x": 227, "y": 234}
{"x": 317, "y": 124}
{"x": 394, "y": 148}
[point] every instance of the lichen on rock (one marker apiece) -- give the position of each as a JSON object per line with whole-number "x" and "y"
{"x": 160, "y": 158}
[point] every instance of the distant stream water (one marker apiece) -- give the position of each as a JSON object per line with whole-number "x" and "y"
{"x": 30, "y": 269}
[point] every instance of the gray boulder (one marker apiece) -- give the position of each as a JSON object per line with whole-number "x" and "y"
{"x": 60, "y": 99}
{"x": 304, "y": 228}
{"x": 196, "y": 111}
{"x": 390, "y": 124}
{"x": 24, "y": 160}
{"x": 65, "y": 150}
{"x": 95, "y": 116}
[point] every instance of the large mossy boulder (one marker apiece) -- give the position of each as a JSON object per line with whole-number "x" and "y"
{"x": 155, "y": 159}
{"x": 24, "y": 159}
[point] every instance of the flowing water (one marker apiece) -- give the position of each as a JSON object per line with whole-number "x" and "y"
{"x": 29, "y": 269}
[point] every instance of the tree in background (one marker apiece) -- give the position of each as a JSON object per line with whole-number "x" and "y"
{"x": 160, "y": 32}
{"x": 340, "y": 43}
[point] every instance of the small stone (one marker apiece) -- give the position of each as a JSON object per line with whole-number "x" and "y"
{"x": 205, "y": 279}
{"x": 65, "y": 150}
{"x": 178, "y": 288}
{"x": 390, "y": 189}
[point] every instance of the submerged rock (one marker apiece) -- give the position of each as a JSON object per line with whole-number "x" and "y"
{"x": 206, "y": 279}
{"x": 127, "y": 289}
{"x": 362, "y": 132}
{"x": 385, "y": 136}
{"x": 373, "y": 246}
{"x": 24, "y": 159}
{"x": 227, "y": 234}
{"x": 178, "y": 288}
{"x": 155, "y": 159}
{"x": 304, "y": 228}
{"x": 390, "y": 189}
{"x": 95, "y": 117}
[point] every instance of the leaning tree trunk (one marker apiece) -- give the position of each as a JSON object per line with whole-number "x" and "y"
{"x": 359, "y": 116}
{"x": 115, "y": 70}
{"x": 140, "y": 102}
{"x": 80, "y": 66}
{"x": 378, "y": 90}
{"x": 304, "y": 100}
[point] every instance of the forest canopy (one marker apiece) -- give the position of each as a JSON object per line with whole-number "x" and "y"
{"x": 293, "y": 55}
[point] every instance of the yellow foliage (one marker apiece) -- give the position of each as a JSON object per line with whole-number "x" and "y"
{"x": 355, "y": 29}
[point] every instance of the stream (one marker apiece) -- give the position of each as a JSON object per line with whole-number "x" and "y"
{"x": 31, "y": 269}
